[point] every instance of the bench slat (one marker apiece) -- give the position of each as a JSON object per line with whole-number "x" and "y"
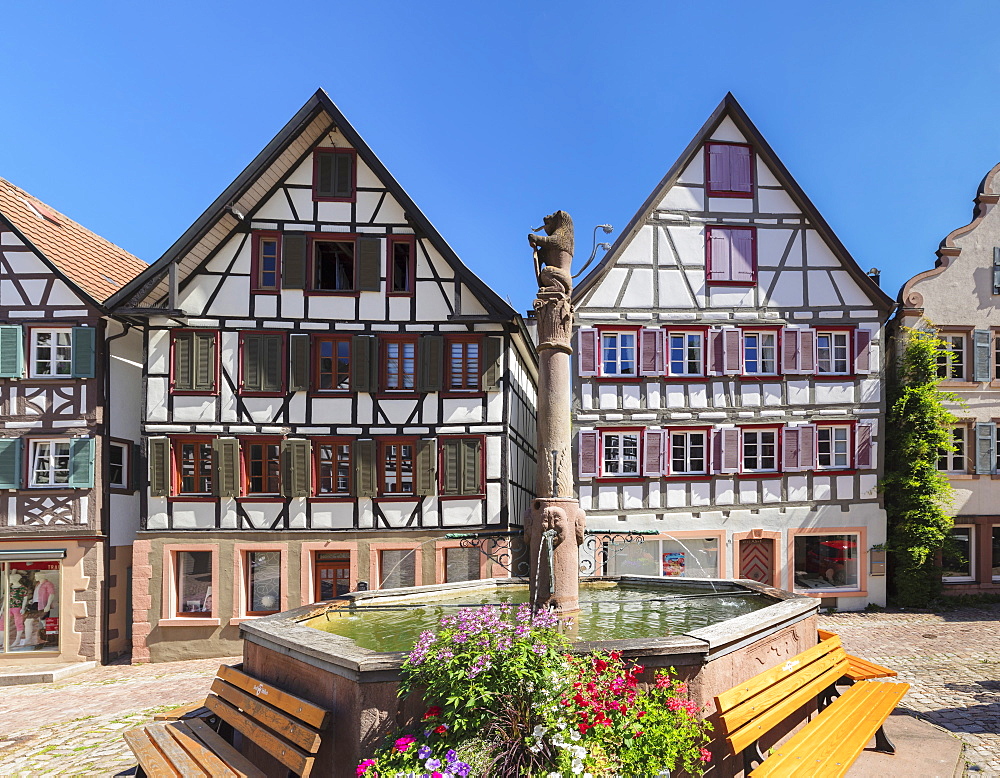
{"x": 206, "y": 759}
{"x": 227, "y": 752}
{"x": 311, "y": 714}
{"x": 181, "y": 712}
{"x": 291, "y": 757}
{"x": 179, "y": 758}
{"x": 288, "y": 728}
{"x": 861, "y": 669}
{"x": 150, "y": 759}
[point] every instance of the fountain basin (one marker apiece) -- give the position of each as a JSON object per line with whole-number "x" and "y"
{"x": 359, "y": 684}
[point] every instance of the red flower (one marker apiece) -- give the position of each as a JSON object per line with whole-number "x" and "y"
{"x": 640, "y": 714}
{"x": 432, "y": 712}
{"x": 440, "y": 729}
{"x": 638, "y": 734}
{"x": 600, "y": 665}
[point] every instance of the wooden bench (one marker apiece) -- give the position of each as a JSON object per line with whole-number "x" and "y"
{"x": 288, "y": 728}
{"x": 830, "y": 743}
{"x": 860, "y": 669}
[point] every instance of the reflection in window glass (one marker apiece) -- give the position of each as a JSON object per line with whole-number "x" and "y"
{"x": 397, "y": 568}
{"x": 826, "y": 561}
{"x": 30, "y": 606}
{"x": 194, "y": 583}
{"x": 461, "y": 564}
{"x": 686, "y": 558}
{"x": 49, "y": 462}
{"x": 263, "y": 581}
{"x": 958, "y": 555}
{"x": 996, "y": 552}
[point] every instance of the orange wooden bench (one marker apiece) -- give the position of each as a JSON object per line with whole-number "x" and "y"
{"x": 860, "y": 669}
{"x": 288, "y": 728}
{"x": 830, "y": 743}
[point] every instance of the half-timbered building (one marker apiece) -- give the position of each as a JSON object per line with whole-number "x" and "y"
{"x": 728, "y": 390}
{"x": 960, "y": 299}
{"x": 329, "y": 393}
{"x": 69, "y": 378}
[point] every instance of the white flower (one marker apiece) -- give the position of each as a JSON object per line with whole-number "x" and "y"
{"x": 574, "y": 735}
{"x": 578, "y": 752}
{"x": 553, "y": 775}
{"x": 587, "y": 775}
{"x": 538, "y": 731}
{"x": 576, "y": 766}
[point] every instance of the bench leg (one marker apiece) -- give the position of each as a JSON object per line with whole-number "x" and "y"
{"x": 751, "y": 758}
{"x": 882, "y": 742}
{"x": 828, "y": 695}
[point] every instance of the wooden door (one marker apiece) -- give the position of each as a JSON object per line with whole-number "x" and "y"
{"x": 757, "y": 560}
{"x": 331, "y": 579}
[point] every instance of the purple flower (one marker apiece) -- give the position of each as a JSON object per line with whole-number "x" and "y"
{"x": 424, "y": 752}
{"x": 450, "y": 755}
{"x": 432, "y": 764}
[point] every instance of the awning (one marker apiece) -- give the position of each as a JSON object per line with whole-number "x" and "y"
{"x": 33, "y": 555}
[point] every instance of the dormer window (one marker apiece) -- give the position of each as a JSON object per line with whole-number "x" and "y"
{"x": 729, "y": 169}
{"x": 334, "y": 175}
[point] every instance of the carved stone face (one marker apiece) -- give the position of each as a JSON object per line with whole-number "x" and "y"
{"x": 556, "y": 518}
{"x": 552, "y": 222}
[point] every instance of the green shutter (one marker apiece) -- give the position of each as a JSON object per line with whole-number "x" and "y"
{"x": 159, "y": 467}
{"x": 369, "y": 253}
{"x": 344, "y": 175}
{"x": 84, "y": 356}
{"x": 364, "y": 363}
{"x": 296, "y": 470}
{"x": 227, "y": 467}
{"x": 366, "y": 478}
{"x": 298, "y": 374}
{"x": 293, "y": 260}
{"x": 982, "y": 340}
{"x": 183, "y": 348}
{"x": 251, "y": 379}
{"x": 10, "y": 462}
{"x": 985, "y": 447}
{"x": 204, "y": 361}
{"x": 426, "y": 468}
{"x": 430, "y": 363}
{"x": 451, "y": 464}
{"x": 81, "y": 463}
{"x": 471, "y": 471}
{"x": 492, "y": 364}
{"x": 11, "y": 351}
{"x": 324, "y": 174}
{"x": 272, "y": 367}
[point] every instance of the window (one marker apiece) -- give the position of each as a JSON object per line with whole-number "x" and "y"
{"x": 51, "y": 353}
{"x": 832, "y": 352}
{"x": 331, "y": 574}
{"x": 397, "y": 567}
{"x": 690, "y": 557}
{"x": 397, "y": 468}
{"x": 959, "y": 552}
{"x": 119, "y": 461}
{"x": 262, "y": 460}
{"x": 730, "y": 170}
{"x": 399, "y": 365}
{"x": 996, "y": 357}
{"x": 194, "y": 460}
{"x": 826, "y": 562}
{"x": 461, "y": 467}
{"x": 685, "y": 353}
{"x": 621, "y": 453}
{"x": 401, "y": 265}
{"x": 759, "y": 353}
{"x": 29, "y": 606}
{"x": 954, "y": 461}
{"x": 995, "y": 557}
{"x": 951, "y": 363}
{"x": 333, "y": 364}
{"x": 50, "y": 463}
{"x": 193, "y": 574}
{"x": 731, "y": 255}
{"x": 194, "y": 361}
{"x": 760, "y": 450}
{"x": 461, "y": 564}
{"x": 263, "y": 570}
{"x": 333, "y": 469}
{"x": 333, "y": 265}
{"x": 832, "y": 447}
{"x": 266, "y": 262}
{"x": 463, "y": 365}
{"x": 263, "y": 362}
{"x": 687, "y": 452}
{"x": 618, "y": 353}
{"x": 334, "y": 174}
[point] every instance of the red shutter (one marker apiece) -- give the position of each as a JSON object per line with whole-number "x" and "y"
{"x": 651, "y": 349}
{"x": 715, "y": 352}
{"x": 807, "y": 354}
{"x": 588, "y": 343}
{"x": 862, "y": 351}
{"x": 740, "y": 178}
{"x": 790, "y": 448}
{"x": 730, "y": 462}
{"x": 807, "y": 447}
{"x": 588, "y": 454}
{"x": 718, "y": 248}
{"x": 718, "y": 168}
{"x": 789, "y": 351}
{"x": 732, "y": 340}
{"x": 653, "y": 441}
{"x": 863, "y": 446}
{"x": 742, "y": 255}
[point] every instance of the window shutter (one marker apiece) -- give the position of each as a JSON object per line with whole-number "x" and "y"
{"x": 81, "y": 463}
{"x": 84, "y": 348}
{"x": 296, "y": 471}
{"x": 589, "y": 443}
{"x": 732, "y": 342}
{"x": 10, "y": 462}
{"x": 430, "y": 363}
{"x": 252, "y": 376}
{"x": 325, "y": 164}
{"x": 343, "y": 183}
{"x": 863, "y": 446}
{"x": 183, "y": 374}
{"x": 740, "y": 171}
{"x": 298, "y": 375}
{"x": 364, "y": 458}
{"x": 293, "y": 258}
{"x": 369, "y": 252}
{"x": 426, "y": 467}
{"x": 158, "y": 454}
{"x": 985, "y": 440}
{"x": 730, "y": 462}
{"x": 653, "y": 441}
{"x": 807, "y": 447}
{"x": 981, "y": 367}
{"x": 719, "y": 261}
{"x": 862, "y": 351}
{"x": 227, "y": 467}
{"x": 741, "y": 255}
{"x": 790, "y": 350}
{"x": 272, "y": 367}
{"x": 492, "y": 366}
{"x": 652, "y": 348}
{"x": 718, "y": 168}
{"x": 588, "y": 344}
{"x": 11, "y": 351}
{"x": 470, "y": 466}
{"x": 716, "y": 348}
{"x": 807, "y": 351}
{"x": 451, "y": 467}
{"x": 790, "y": 448}
{"x": 364, "y": 354}
{"x": 204, "y": 361}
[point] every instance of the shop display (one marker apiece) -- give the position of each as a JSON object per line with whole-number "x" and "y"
{"x": 30, "y": 606}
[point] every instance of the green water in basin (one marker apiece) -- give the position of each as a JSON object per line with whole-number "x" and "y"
{"x": 607, "y": 612}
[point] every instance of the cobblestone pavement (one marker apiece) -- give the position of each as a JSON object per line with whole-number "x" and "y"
{"x": 74, "y": 727}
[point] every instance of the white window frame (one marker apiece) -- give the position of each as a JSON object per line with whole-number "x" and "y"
{"x": 54, "y": 332}
{"x": 956, "y": 345}
{"x": 616, "y": 347}
{"x": 620, "y": 458}
{"x": 687, "y": 349}
{"x": 856, "y": 587}
{"x": 686, "y": 446}
{"x": 972, "y": 557}
{"x": 832, "y": 429}
{"x": 832, "y": 348}
{"x": 126, "y": 464}
{"x": 960, "y": 439}
{"x": 34, "y": 444}
{"x": 760, "y": 347}
{"x": 747, "y": 442}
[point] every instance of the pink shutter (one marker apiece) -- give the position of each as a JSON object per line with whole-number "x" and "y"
{"x": 651, "y": 349}
{"x": 807, "y": 447}
{"x": 730, "y": 462}
{"x": 653, "y": 441}
{"x": 789, "y": 351}
{"x": 790, "y": 448}
{"x": 718, "y": 168}
{"x": 719, "y": 261}
{"x": 740, "y": 179}
{"x": 742, "y": 255}
{"x": 807, "y": 353}
{"x": 588, "y": 454}
{"x": 862, "y": 351}
{"x": 588, "y": 343}
{"x": 715, "y": 352}
{"x": 732, "y": 340}
{"x": 863, "y": 446}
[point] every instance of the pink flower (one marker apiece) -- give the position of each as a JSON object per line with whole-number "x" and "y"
{"x": 404, "y": 743}
{"x": 363, "y": 767}
{"x": 706, "y": 755}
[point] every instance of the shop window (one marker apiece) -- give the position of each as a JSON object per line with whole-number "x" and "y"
{"x": 687, "y": 453}
{"x": 995, "y": 538}
{"x": 331, "y": 574}
{"x": 399, "y": 365}
{"x": 951, "y": 360}
{"x": 194, "y": 460}
{"x": 333, "y": 469}
{"x": 263, "y": 582}
{"x": 119, "y": 465}
{"x": 759, "y": 353}
{"x": 692, "y": 557}
{"x": 618, "y": 354}
{"x": 461, "y": 564}
{"x": 620, "y": 455}
{"x": 953, "y": 461}
{"x": 832, "y": 447}
{"x": 262, "y": 460}
{"x": 827, "y": 561}
{"x": 685, "y": 353}
{"x": 51, "y": 353}
{"x": 760, "y": 450}
{"x": 832, "y": 349}
{"x": 463, "y": 365}
{"x": 29, "y": 595}
{"x": 958, "y": 557}
{"x": 193, "y": 577}
{"x": 397, "y": 567}
{"x": 397, "y": 468}
{"x": 333, "y": 364}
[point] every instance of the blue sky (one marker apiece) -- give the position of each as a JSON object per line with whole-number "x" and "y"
{"x": 132, "y": 117}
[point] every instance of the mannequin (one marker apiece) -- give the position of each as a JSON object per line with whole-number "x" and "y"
{"x": 18, "y": 597}
{"x": 44, "y": 601}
